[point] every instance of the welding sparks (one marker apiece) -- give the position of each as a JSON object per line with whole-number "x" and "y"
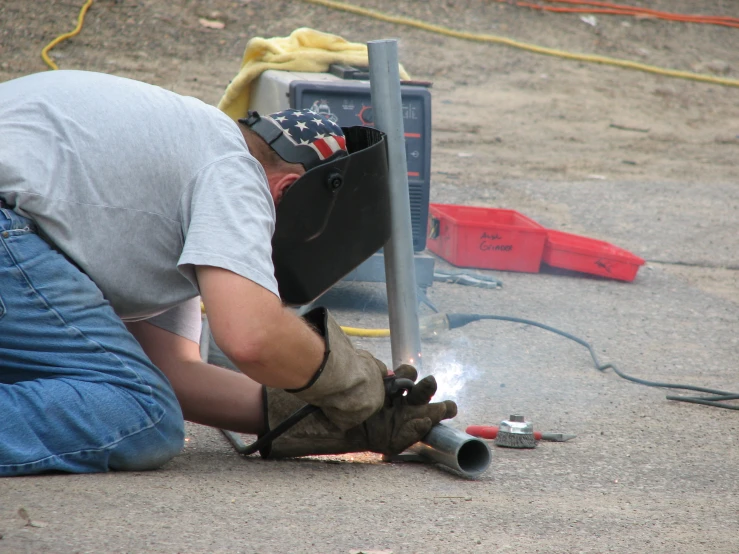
{"x": 449, "y": 380}
{"x": 451, "y": 376}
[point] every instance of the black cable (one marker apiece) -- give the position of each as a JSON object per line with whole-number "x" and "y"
{"x": 272, "y": 434}
{"x": 458, "y": 320}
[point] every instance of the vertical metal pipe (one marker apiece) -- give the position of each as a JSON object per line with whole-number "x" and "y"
{"x": 400, "y": 269}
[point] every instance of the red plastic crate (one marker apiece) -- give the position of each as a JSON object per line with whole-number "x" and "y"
{"x": 485, "y": 238}
{"x": 576, "y": 253}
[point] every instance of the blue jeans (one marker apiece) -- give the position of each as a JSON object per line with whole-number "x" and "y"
{"x": 77, "y": 392}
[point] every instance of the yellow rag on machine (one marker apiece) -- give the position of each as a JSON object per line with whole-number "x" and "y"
{"x": 304, "y": 50}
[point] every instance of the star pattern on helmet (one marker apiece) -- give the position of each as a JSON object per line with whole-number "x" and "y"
{"x": 306, "y": 128}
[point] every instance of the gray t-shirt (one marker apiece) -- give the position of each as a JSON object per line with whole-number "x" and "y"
{"x": 137, "y": 185}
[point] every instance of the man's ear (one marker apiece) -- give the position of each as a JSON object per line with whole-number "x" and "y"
{"x": 280, "y": 185}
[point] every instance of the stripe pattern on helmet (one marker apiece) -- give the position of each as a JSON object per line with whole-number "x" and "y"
{"x": 306, "y": 128}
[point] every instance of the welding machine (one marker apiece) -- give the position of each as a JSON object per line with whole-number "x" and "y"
{"x": 343, "y": 95}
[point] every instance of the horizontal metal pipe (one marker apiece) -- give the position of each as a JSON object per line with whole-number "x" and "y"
{"x": 459, "y": 451}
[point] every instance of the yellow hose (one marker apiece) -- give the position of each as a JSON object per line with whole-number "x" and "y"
{"x": 350, "y": 331}
{"x": 65, "y": 36}
{"x": 627, "y": 64}
{"x": 372, "y": 333}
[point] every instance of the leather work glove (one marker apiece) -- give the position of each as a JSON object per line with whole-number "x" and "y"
{"x": 400, "y": 423}
{"x": 348, "y": 387}
{"x": 404, "y": 420}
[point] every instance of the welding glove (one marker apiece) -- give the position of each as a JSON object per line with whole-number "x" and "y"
{"x": 401, "y": 422}
{"x": 348, "y": 387}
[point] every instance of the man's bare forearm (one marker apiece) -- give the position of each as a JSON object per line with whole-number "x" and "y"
{"x": 218, "y": 397}
{"x": 263, "y": 339}
{"x": 207, "y": 394}
{"x": 290, "y": 358}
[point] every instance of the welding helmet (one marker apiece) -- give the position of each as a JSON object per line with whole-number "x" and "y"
{"x": 334, "y": 216}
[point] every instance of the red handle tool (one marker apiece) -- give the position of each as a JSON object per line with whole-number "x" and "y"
{"x": 490, "y": 432}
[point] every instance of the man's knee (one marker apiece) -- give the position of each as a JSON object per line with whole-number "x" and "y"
{"x": 153, "y": 447}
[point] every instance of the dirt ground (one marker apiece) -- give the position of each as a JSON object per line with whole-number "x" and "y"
{"x": 642, "y": 160}
{"x": 500, "y": 114}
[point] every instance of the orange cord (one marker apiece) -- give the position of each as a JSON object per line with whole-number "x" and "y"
{"x": 621, "y": 9}
{"x": 644, "y": 10}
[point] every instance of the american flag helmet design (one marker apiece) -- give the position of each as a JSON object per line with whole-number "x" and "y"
{"x": 309, "y": 130}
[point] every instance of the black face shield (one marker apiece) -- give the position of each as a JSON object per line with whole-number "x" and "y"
{"x": 332, "y": 218}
